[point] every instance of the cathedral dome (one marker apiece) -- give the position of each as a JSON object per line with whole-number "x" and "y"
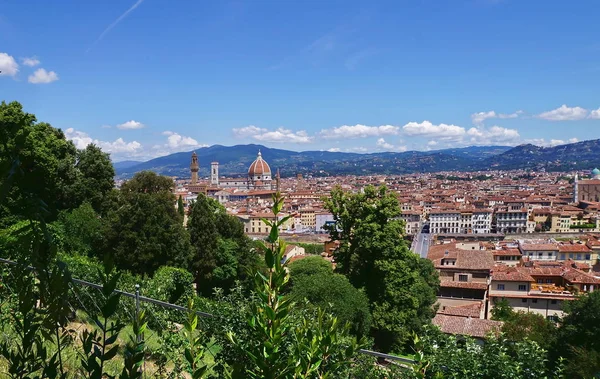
{"x": 595, "y": 173}
{"x": 259, "y": 167}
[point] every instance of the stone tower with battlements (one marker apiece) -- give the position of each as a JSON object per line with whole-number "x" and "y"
{"x": 194, "y": 168}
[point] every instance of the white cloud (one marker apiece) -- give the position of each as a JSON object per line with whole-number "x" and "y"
{"x": 385, "y": 145}
{"x": 432, "y": 143}
{"x": 31, "y": 62}
{"x": 551, "y": 143}
{"x": 176, "y": 141}
{"x": 280, "y": 135}
{"x": 41, "y": 76}
{"x": 479, "y": 118}
{"x": 8, "y": 65}
{"x": 564, "y": 113}
{"x": 117, "y": 147}
{"x": 382, "y": 144}
{"x": 358, "y": 149}
{"x": 358, "y": 131}
{"x": 334, "y": 149}
{"x": 595, "y": 114}
{"x": 427, "y": 129}
{"x": 493, "y": 135}
{"x": 132, "y": 124}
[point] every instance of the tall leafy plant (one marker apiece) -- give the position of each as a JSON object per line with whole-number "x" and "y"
{"x": 285, "y": 346}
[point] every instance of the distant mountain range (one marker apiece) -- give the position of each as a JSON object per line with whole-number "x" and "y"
{"x": 234, "y": 160}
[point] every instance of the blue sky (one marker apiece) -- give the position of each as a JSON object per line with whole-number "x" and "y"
{"x": 149, "y": 77}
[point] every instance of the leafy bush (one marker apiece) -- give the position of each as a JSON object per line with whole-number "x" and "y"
{"x": 315, "y": 281}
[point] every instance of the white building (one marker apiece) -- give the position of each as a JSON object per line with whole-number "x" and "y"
{"x": 322, "y": 218}
{"x": 512, "y": 219}
{"x": 412, "y": 221}
{"x": 477, "y": 221}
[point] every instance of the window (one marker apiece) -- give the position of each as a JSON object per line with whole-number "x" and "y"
{"x": 540, "y": 281}
{"x": 578, "y": 257}
{"x": 523, "y": 300}
{"x": 562, "y": 257}
{"x": 500, "y": 287}
{"x": 587, "y": 257}
{"x": 554, "y": 301}
{"x": 534, "y": 301}
{"x": 548, "y": 281}
{"x": 522, "y": 287}
{"x": 463, "y": 278}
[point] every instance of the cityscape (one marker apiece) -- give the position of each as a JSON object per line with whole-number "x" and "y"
{"x": 271, "y": 189}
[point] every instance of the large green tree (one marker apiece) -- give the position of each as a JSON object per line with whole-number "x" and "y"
{"x": 46, "y": 173}
{"x": 520, "y": 326}
{"x": 313, "y": 279}
{"x": 401, "y": 286}
{"x": 81, "y": 229}
{"x": 222, "y": 252}
{"x": 578, "y": 337}
{"x": 143, "y": 229}
{"x": 40, "y": 162}
{"x": 95, "y": 178}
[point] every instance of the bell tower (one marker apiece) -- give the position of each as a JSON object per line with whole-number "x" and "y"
{"x": 214, "y": 173}
{"x": 194, "y": 167}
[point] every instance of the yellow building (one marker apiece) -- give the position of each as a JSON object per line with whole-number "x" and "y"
{"x": 254, "y": 223}
{"x": 308, "y": 218}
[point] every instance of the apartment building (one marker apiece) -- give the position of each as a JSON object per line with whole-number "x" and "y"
{"x": 412, "y": 222}
{"x": 539, "y": 249}
{"x": 507, "y": 256}
{"x": 464, "y": 275}
{"x": 445, "y": 221}
{"x": 512, "y": 219}
{"x": 254, "y": 224}
{"x": 322, "y": 219}
{"x": 473, "y": 221}
{"x": 540, "y": 287}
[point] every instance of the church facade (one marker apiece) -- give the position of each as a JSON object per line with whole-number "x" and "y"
{"x": 259, "y": 177}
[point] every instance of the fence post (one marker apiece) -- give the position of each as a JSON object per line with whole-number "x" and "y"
{"x": 137, "y": 308}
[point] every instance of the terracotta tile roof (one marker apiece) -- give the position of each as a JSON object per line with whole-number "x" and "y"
{"x": 467, "y": 285}
{"x": 573, "y": 248}
{"x": 512, "y": 274}
{"x": 539, "y": 246}
{"x": 577, "y": 276}
{"x": 466, "y": 326}
{"x": 467, "y": 260}
{"x": 469, "y": 310}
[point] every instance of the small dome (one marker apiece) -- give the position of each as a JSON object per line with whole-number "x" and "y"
{"x": 595, "y": 172}
{"x": 259, "y": 167}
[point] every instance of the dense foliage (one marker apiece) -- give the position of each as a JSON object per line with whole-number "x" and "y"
{"x": 400, "y": 286}
{"x": 578, "y": 338}
{"x": 143, "y": 230}
{"x": 222, "y": 254}
{"x": 520, "y": 326}
{"x": 313, "y": 279}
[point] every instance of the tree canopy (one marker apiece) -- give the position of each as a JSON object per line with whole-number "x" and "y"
{"x": 578, "y": 338}
{"x": 46, "y": 172}
{"x": 313, "y": 279}
{"x": 401, "y": 286}
{"x": 222, "y": 252}
{"x": 143, "y": 229}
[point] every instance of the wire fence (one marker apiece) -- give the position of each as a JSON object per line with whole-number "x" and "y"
{"x": 163, "y": 338}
